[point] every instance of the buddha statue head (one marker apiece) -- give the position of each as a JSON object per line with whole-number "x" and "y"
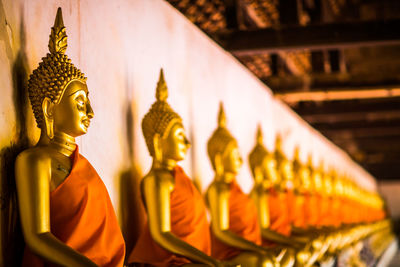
{"x": 284, "y": 166}
{"x": 57, "y": 90}
{"x": 346, "y": 187}
{"x": 306, "y": 182}
{"x": 338, "y": 186}
{"x": 163, "y": 129}
{"x": 317, "y": 178}
{"x": 223, "y": 150}
{"x": 301, "y": 173}
{"x": 262, "y": 163}
{"x": 328, "y": 182}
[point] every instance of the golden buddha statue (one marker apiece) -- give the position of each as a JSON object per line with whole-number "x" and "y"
{"x": 283, "y": 166}
{"x": 263, "y": 168}
{"x": 271, "y": 202}
{"x": 235, "y": 230}
{"x": 285, "y": 212}
{"x": 326, "y": 203}
{"x": 302, "y": 185}
{"x": 66, "y": 214}
{"x": 177, "y": 232}
{"x": 305, "y": 225}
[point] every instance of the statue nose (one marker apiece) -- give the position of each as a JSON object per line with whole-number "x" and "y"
{"x": 89, "y": 111}
{"x": 187, "y": 143}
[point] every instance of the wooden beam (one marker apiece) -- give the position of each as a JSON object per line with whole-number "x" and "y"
{"x": 340, "y": 107}
{"x": 314, "y": 37}
{"x": 353, "y": 116}
{"x": 231, "y": 14}
{"x": 385, "y": 171}
{"x": 372, "y": 145}
{"x": 332, "y": 95}
{"x": 380, "y": 157}
{"x": 332, "y": 81}
{"x": 343, "y": 134}
{"x": 352, "y": 125}
{"x": 288, "y": 12}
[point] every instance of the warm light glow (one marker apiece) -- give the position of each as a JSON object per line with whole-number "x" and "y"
{"x": 338, "y": 95}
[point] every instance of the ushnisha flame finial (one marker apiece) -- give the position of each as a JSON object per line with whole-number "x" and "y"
{"x": 58, "y": 35}
{"x": 278, "y": 142}
{"x": 221, "y": 116}
{"x": 54, "y": 73}
{"x": 260, "y": 139}
{"x": 162, "y": 89}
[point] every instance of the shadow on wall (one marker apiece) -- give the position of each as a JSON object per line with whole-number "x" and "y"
{"x": 131, "y": 208}
{"x": 12, "y": 243}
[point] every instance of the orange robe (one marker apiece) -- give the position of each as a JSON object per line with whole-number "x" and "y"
{"x": 279, "y": 212}
{"x": 311, "y": 209}
{"x": 82, "y": 217}
{"x": 346, "y": 211}
{"x": 325, "y": 211}
{"x": 298, "y": 210}
{"x": 291, "y": 203}
{"x": 335, "y": 212}
{"x": 188, "y": 222}
{"x": 243, "y": 221}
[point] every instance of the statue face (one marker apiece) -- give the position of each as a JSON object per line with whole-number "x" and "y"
{"x": 175, "y": 145}
{"x": 73, "y": 113}
{"x": 287, "y": 170}
{"x": 328, "y": 185}
{"x": 318, "y": 181}
{"x": 232, "y": 160}
{"x": 269, "y": 170}
{"x": 305, "y": 178}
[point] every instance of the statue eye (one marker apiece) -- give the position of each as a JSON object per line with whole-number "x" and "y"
{"x": 81, "y": 101}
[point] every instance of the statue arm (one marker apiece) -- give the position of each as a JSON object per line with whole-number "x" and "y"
{"x": 157, "y": 197}
{"x": 278, "y": 238}
{"x": 219, "y": 207}
{"x": 263, "y": 214}
{"x": 33, "y": 175}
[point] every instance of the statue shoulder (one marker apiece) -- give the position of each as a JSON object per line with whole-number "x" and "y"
{"x": 33, "y": 156}
{"x": 33, "y": 164}
{"x": 217, "y": 187}
{"x": 157, "y": 178}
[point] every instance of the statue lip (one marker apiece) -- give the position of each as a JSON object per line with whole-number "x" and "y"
{"x": 86, "y": 122}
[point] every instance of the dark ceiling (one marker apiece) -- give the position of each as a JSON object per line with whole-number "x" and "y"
{"x": 335, "y": 62}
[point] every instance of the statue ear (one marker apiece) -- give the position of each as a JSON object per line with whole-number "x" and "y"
{"x": 157, "y": 147}
{"x": 48, "y": 114}
{"x": 219, "y": 167}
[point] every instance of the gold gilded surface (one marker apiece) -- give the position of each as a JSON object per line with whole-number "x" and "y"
{"x": 302, "y": 245}
{"x": 54, "y": 73}
{"x": 167, "y": 143}
{"x": 283, "y": 165}
{"x": 225, "y": 158}
{"x": 263, "y": 168}
{"x": 59, "y": 98}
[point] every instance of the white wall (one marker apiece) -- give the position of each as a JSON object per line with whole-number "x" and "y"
{"x": 120, "y": 46}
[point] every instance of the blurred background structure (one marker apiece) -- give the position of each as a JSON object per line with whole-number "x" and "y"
{"x": 334, "y": 62}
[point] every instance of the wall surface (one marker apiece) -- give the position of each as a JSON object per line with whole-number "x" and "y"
{"x": 121, "y": 46}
